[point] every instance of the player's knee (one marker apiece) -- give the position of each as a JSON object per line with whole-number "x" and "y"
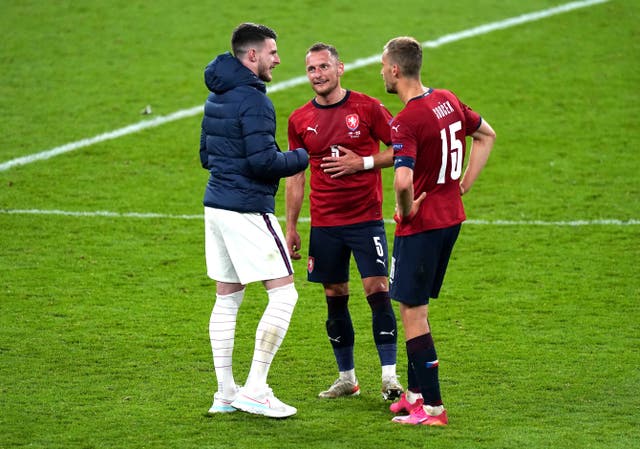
{"x": 231, "y": 300}
{"x": 287, "y": 294}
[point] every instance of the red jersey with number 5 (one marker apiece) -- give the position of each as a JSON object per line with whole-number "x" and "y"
{"x": 358, "y": 122}
{"x": 429, "y": 136}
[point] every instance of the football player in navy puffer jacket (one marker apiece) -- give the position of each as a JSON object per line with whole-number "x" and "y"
{"x": 243, "y": 240}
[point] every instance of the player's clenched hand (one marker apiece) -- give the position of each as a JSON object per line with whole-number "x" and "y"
{"x": 293, "y": 244}
{"x": 346, "y": 164}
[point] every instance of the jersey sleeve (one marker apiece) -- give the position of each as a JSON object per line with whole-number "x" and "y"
{"x": 472, "y": 119}
{"x": 381, "y": 120}
{"x": 404, "y": 143}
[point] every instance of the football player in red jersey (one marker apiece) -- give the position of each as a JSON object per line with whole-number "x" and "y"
{"x": 429, "y": 143}
{"x": 341, "y": 130}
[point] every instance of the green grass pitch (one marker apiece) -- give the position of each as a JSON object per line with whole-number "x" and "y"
{"x": 104, "y": 300}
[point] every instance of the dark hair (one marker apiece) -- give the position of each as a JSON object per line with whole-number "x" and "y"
{"x": 321, "y": 46}
{"x": 406, "y": 52}
{"x": 247, "y": 34}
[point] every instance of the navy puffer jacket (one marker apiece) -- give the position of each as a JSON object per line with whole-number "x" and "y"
{"x": 237, "y": 143}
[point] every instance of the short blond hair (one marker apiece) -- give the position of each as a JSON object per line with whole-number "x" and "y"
{"x": 406, "y": 52}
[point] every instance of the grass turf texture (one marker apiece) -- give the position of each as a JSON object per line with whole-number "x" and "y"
{"x": 103, "y": 330}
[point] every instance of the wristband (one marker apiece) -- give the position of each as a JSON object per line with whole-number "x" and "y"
{"x": 367, "y": 162}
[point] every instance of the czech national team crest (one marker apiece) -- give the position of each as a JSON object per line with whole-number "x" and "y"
{"x": 353, "y": 121}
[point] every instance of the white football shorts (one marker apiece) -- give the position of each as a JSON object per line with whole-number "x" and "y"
{"x": 244, "y": 247}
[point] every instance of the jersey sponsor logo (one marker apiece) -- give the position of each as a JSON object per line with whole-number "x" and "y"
{"x": 314, "y": 130}
{"x": 353, "y": 121}
{"x": 397, "y": 146}
{"x": 395, "y": 128}
{"x": 310, "y": 264}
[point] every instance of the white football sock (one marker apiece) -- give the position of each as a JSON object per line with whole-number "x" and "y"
{"x": 348, "y": 375}
{"x": 388, "y": 371}
{"x": 434, "y": 410}
{"x": 413, "y": 397}
{"x": 270, "y": 333}
{"x": 222, "y": 327}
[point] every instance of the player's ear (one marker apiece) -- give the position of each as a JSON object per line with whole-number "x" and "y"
{"x": 251, "y": 55}
{"x": 340, "y": 68}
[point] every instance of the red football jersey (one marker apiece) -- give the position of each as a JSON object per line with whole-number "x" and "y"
{"x": 429, "y": 135}
{"x": 358, "y": 122}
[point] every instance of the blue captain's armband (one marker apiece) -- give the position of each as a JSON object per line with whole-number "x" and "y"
{"x": 403, "y": 161}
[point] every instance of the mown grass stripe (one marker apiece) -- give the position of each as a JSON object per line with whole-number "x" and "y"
{"x": 104, "y": 213}
{"x": 276, "y": 87}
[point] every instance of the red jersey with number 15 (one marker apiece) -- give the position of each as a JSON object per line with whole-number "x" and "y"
{"x": 429, "y": 136}
{"x": 358, "y": 122}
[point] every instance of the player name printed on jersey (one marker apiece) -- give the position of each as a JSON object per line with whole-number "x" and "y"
{"x": 443, "y": 109}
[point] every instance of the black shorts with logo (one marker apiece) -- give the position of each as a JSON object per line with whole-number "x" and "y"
{"x": 330, "y": 249}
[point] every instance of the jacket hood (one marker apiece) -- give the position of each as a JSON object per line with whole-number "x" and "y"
{"x": 227, "y": 72}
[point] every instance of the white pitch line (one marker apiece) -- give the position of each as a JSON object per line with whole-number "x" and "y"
{"x": 358, "y": 63}
{"x": 102, "y": 213}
